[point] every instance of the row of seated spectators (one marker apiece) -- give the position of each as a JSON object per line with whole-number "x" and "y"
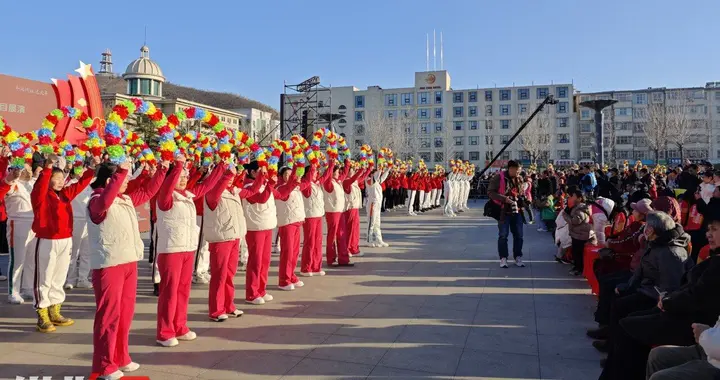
{"x": 655, "y": 271}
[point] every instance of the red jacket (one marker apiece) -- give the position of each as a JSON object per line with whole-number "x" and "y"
{"x": 53, "y": 210}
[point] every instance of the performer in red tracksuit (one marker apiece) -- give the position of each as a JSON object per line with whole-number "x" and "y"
{"x": 334, "y": 198}
{"x": 260, "y": 214}
{"x": 223, "y": 227}
{"x": 53, "y": 225}
{"x": 349, "y": 243}
{"x": 178, "y": 237}
{"x": 291, "y": 216}
{"x": 115, "y": 249}
{"x": 312, "y": 228}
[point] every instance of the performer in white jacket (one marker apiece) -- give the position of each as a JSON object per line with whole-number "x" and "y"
{"x": 79, "y": 271}
{"x": 449, "y": 194}
{"x": 373, "y": 189}
{"x": 17, "y": 187}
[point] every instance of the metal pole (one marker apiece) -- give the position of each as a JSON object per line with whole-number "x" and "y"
{"x": 548, "y": 100}
{"x": 599, "y": 134}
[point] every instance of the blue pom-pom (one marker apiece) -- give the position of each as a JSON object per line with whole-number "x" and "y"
{"x": 199, "y": 113}
{"x": 118, "y": 160}
{"x": 144, "y": 107}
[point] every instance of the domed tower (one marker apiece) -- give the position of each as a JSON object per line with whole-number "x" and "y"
{"x": 143, "y": 76}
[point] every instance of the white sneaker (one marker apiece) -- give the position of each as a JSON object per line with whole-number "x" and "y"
{"x": 384, "y": 244}
{"x": 503, "y": 263}
{"x": 519, "y": 263}
{"x": 68, "y": 286}
{"x": 237, "y": 313}
{"x": 359, "y": 254}
{"x": 190, "y": 335}
{"x": 220, "y": 318}
{"x": 3, "y": 277}
{"x": 321, "y": 273}
{"x": 267, "y": 297}
{"x": 84, "y": 285}
{"x": 299, "y": 284}
{"x": 206, "y": 276}
{"x": 286, "y": 287}
{"x": 199, "y": 279}
{"x": 130, "y": 367}
{"x": 306, "y": 274}
{"x": 15, "y": 299}
{"x": 541, "y": 229}
{"x": 374, "y": 245}
{"x": 113, "y": 376}
{"x": 172, "y": 342}
{"x": 256, "y": 301}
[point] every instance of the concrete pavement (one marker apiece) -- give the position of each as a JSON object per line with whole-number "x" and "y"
{"x": 434, "y": 305}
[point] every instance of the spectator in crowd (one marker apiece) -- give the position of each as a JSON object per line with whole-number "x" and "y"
{"x": 688, "y": 179}
{"x": 505, "y": 189}
{"x": 577, "y": 216}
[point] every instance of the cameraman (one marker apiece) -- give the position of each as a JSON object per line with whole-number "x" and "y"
{"x": 505, "y": 190}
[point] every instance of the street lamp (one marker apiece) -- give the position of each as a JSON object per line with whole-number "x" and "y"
{"x": 598, "y": 106}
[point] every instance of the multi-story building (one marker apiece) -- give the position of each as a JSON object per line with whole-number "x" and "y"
{"x": 445, "y": 123}
{"x": 261, "y": 125}
{"x": 630, "y": 125}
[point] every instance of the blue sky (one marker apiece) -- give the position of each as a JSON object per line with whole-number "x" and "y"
{"x": 250, "y": 47}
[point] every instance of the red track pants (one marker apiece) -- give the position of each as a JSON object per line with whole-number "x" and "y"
{"x": 256, "y": 276}
{"x": 333, "y": 236}
{"x": 289, "y": 252}
{"x": 115, "y": 289}
{"x": 312, "y": 245}
{"x": 223, "y": 266}
{"x": 351, "y": 231}
{"x": 176, "y": 271}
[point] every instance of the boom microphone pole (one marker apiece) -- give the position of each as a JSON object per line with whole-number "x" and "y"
{"x": 548, "y": 100}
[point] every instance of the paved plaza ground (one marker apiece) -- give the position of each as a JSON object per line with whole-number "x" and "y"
{"x": 434, "y": 305}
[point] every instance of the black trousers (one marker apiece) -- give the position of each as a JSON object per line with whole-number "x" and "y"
{"x": 416, "y": 206}
{"x": 624, "y": 305}
{"x": 4, "y": 247}
{"x": 607, "y": 284}
{"x": 699, "y": 240}
{"x": 578, "y": 252}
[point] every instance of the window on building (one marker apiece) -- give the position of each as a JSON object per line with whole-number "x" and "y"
{"x": 438, "y": 97}
{"x": 438, "y": 113}
{"x": 474, "y": 156}
{"x": 424, "y": 128}
{"x": 458, "y": 125}
{"x": 359, "y": 115}
{"x": 504, "y": 139}
{"x": 457, "y": 97}
{"x": 457, "y": 111}
{"x": 504, "y": 110}
{"x": 488, "y": 110}
{"x": 359, "y": 101}
{"x": 619, "y": 140}
{"x": 458, "y": 141}
{"x": 701, "y": 109}
{"x": 639, "y": 113}
{"x": 438, "y": 127}
{"x": 523, "y": 93}
{"x": 563, "y": 138}
{"x": 585, "y": 155}
{"x": 657, "y": 97}
{"x": 438, "y": 142}
{"x": 640, "y": 98}
{"x": 423, "y": 113}
{"x": 522, "y": 108}
{"x": 488, "y": 124}
{"x": 358, "y": 143}
{"x": 717, "y": 108}
{"x": 542, "y": 92}
{"x": 425, "y": 156}
{"x": 488, "y": 95}
{"x": 390, "y": 114}
{"x": 505, "y": 155}
{"x": 563, "y": 154}
{"x": 504, "y": 94}
{"x": 359, "y": 129}
{"x": 626, "y": 97}
{"x": 439, "y": 157}
{"x": 623, "y": 126}
{"x": 424, "y": 143}
{"x": 505, "y": 124}
{"x": 562, "y": 107}
{"x": 489, "y": 154}
{"x": 407, "y": 99}
{"x": 585, "y": 114}
{"x": 472, "y": 111}
{"x": 638, "y": 127}
{"x": 586, "y": 141}
{"x": 406, "y": 113}
{"x": 391, "y": 100}
{"x": 488, "y": 140}
{"x": 472, "y": 96}
{"x": 145, "y": 86}
{"x": 623, "y": 111}
{"x": 473, "y": 124}
{"x": 473, "y": 140}
{"x": 423, "y": 98}
{"x": 562, "y": 122}
{"x": 562, "y": 92}
{"x": 640, "y": 141}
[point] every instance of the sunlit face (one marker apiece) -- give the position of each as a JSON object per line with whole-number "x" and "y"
{"x": 336, "y": 173}
{"x": 314, "y": 175}
{"x": 513, "y": 171}
{"x": 286, "y": 175}
{"x": 124, "y": 185}
{"x": 713, "y": 235}
{"x": 351, "y": 172}
{"x": 182, "y": 182}
{"x": 57, "y": 181}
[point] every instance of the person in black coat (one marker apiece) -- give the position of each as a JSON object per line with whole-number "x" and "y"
{"x": 670, "y": 322}
{"x": 688, "y": 179}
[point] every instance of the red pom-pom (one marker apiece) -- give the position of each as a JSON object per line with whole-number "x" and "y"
{"x": 213, "y": 120}
{"x": 262, "y": 164}
{"x": 157, "y": 116}
{"x": 254, "y": 147}
{"x": 83, "y": 116}
{"x": 166, "y": 155}
{"x": 52, "y": 118}
{"x": 277, "y": 153}
{"x": 315, "y": 148}
{"x": 137, "y": 102}
{"x": 121, "y": 111}
{"x": 172, "y": 119}
{"x": 190, "y": 112}
{"x": 164, "y": 129}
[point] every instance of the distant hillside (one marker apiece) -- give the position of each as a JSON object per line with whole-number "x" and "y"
{"x": 222, "y": 100}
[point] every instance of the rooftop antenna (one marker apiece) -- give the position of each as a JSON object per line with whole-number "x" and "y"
{"x": 442, "y": 66}
{"x": 434, "y": 52}
{"x": 427, "y": 52}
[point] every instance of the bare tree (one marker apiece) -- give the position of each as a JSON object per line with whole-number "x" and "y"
{"x": 387, "y": 131}
{"x": 535, "y": 138}
{"x": 677, "y": 115}
{"x": 446, "y": 145}
{"x": 656, "y": 128}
